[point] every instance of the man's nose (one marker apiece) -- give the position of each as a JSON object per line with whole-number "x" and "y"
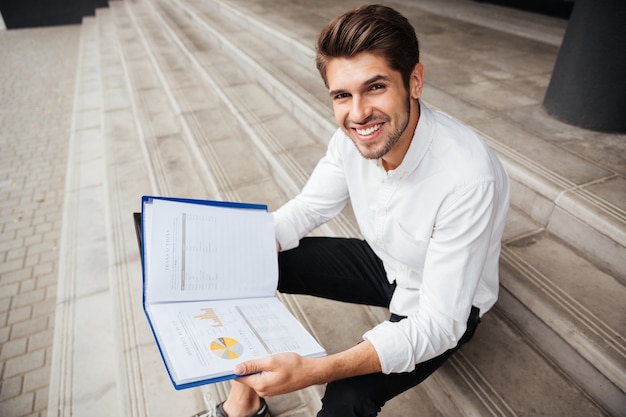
{"x": 360, "y": 110}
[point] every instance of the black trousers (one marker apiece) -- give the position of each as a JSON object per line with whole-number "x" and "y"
{"x": 348, "y": 270}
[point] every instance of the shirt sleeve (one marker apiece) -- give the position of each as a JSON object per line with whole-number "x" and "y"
{"x": 322, "y": 198}
{"x": 453, "y": 266}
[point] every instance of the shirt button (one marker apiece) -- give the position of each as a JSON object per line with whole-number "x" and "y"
{"x": 382, "y": 212}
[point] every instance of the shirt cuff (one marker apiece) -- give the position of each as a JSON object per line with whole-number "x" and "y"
{"x": 394, "y": 351}
{"x": 285, "y": 234}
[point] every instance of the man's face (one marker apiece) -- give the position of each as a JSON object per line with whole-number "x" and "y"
{"x": 373, "y": 107}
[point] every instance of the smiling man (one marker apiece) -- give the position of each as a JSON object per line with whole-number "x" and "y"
{"x": 430, "y": 199}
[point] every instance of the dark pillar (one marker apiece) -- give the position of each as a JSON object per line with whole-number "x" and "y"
{"x": 34, "y": 13}
{"x": 588, "y": 85}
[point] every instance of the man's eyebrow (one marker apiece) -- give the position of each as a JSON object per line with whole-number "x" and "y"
{"x": 375, "y": 78}
{"x": 333, "y": 93}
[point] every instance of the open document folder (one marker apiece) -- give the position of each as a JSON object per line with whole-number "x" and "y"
{"x": 210, "y": 274}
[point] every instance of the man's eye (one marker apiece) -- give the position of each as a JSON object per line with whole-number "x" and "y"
{"x": 340, "y": 96}
{"x": 377, "y": 87}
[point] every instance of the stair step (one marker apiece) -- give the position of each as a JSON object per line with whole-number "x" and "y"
{"x": 196, "y": 106}
{"x": 520, "y": 375}
{"x": 167, "y": 140}
{"x": 294, "y": 80}
{"x": 568, "y": 302}
{"x": 83, "y": 293}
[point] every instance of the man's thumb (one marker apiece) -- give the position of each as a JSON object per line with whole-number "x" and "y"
{"x": 245, "y": 368}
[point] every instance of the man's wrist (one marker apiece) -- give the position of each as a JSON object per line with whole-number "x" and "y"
{"x": 361, "y": 359}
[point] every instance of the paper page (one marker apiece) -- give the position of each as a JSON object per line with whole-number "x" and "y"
{"x": 199, "y": 252}
{"x": 206, "y": 339}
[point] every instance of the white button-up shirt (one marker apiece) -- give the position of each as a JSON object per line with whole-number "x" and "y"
{"x": 436, "y": 223}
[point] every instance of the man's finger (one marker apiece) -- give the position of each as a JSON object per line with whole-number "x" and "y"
{"x": 246, "y": 368}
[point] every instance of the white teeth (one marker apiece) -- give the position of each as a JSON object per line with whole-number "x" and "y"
{"x": 369, "y": 130}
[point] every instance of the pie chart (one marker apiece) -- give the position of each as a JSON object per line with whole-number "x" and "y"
{"x": 226, "y": 348}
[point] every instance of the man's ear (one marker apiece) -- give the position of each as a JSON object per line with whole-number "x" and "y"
{"x": 416, "y": 82}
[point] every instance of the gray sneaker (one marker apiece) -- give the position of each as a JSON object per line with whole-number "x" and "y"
{"x": 263, "y": 411}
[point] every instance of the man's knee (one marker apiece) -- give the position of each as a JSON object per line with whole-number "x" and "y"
{"x": 348, "y": 399}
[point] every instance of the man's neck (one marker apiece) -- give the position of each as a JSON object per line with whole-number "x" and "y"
{"x": 393, "y": 159}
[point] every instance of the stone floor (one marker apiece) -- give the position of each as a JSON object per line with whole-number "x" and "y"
{"x": 37, "y": 69}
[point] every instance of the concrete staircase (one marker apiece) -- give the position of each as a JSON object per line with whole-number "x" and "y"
{"x": 219, "y": 99}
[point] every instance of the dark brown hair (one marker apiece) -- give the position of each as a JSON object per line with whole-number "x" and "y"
{"x": 376, "y": 29}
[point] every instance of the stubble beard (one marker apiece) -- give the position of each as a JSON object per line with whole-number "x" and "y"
{"x": 371, "y": 152}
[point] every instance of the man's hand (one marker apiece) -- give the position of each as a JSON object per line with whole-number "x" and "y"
{"x": 288, "y": 372}
{"x": 278, "y": 374}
